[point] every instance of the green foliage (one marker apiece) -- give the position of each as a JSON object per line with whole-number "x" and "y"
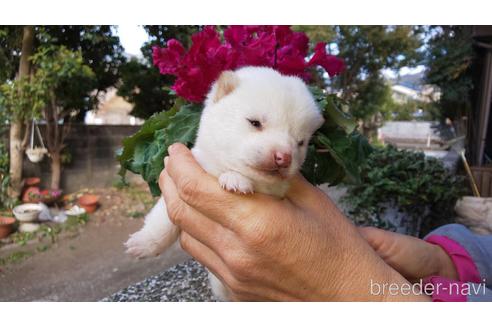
{"x": 99, "y": 49}
{"x": 22, "y": 99}
{"x": 57, "y": 69}
{"x": 120, "y": 183}
{"x": 369, "y": 49}
{"x": 405, "y": 111}
{"x": 449, "y": 60}
{"x": 141, "y": 83}
{"x": 337, "y": 149}
{"x": 420, "y": 187}
{"x": 317, "y": 33}
{"x": 334, "y": 154}
{"x": 143, "y": 86}
{"x": 374, "y": 96}
{"x": 366, "y": 51}
{"x": 144, "y": 152}
{"x": 10, "y": 41}
{"x": 15, "y": 257}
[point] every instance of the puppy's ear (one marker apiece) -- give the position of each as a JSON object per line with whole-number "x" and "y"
{"x": 226, "y": 83}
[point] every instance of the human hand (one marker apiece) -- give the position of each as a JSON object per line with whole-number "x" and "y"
{"x": 412, "y": 257}
{"x": 264, "y": 248}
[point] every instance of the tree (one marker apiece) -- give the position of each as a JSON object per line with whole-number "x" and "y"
{"x": 10, "y": 47}
{"x": 66, "y": 82}
{"x": 142, "y": 84}
{"x": 100, "y": 50}
{"x": 367, "y": 50}
{"x": 373, "y": 103}
{"x": 317, "y": 33}
{"x": 55, "y": 91}
{"x": 449, "y": 59}
{"x": 18, "y": 138}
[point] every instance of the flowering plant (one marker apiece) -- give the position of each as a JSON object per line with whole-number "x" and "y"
{"x": 337, "y": 149}
{"x": 273, "y": 46}
{"x": 45, "y": 196}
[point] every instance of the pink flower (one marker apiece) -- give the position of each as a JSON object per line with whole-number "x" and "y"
{"x": 332, "y": 64}
{"x": 168, "y": 59}
{"x": 272, "y": 46}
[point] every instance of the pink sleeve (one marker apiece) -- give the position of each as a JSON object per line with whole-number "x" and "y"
{"x": 465, "y": 266}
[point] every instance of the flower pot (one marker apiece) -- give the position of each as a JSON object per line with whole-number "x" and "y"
{"x": 36, "y": 155}
{"x": 27, "y": 212}
{"x": 29, "y": 227}
{"x": 6, "y": 225}
{"x": 75, "y": 211}
{"x": 31, "y": 195}
{"x": 31, "y": 182}
{"x": 50, "y": 196}
{"x": 88, "y": 202}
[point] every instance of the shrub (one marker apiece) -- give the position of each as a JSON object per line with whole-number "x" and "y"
{"x": 420, "y": 187}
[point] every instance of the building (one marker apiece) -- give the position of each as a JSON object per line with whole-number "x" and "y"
{"x": 426, "y": 94}
{"x": 112, "y": 110}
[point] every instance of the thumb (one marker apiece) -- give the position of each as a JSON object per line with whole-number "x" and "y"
{"x": 302, "y": 193}
{"x": 385, "y": 243}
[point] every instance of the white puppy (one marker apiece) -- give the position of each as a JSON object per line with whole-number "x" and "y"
{"x": 253, "y": 136}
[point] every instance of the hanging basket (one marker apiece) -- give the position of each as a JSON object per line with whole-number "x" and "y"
{"x": 36, "y": 154}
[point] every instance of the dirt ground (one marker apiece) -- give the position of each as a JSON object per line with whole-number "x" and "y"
{"x": 90, "y": 265}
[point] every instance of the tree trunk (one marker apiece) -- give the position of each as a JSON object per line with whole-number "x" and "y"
{"x": 16, "y": 158}
{"x": 55, "y": 169}
{"x": 16, "y": 127}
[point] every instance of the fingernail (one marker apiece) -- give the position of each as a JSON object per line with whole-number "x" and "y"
{"x": 166, "y": 159}
{"x": 171, "y": 149}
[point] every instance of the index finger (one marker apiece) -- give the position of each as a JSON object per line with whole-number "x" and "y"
{"x": 202, "y": 191}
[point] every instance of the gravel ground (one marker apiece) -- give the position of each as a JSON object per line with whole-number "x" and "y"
{"x": 187, "y": 282}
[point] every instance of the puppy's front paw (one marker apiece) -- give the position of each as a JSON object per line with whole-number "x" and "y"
{"x": 233, "y": 181}
{"x": 139, "y": 246}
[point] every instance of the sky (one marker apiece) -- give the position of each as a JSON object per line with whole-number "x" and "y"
{"x": 132, "y": 38}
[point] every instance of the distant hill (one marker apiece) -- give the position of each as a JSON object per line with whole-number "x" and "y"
{"x": 412, "y": 81}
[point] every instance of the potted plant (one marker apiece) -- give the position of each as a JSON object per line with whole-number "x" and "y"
{"x": 6, "y": 226}
{"x": 47, "y": 196}
{"x": 88, "y": 202}
{"x": 32, "y": 181}
{"x": 31, "y": 186}
{"x": 36, "y": 154}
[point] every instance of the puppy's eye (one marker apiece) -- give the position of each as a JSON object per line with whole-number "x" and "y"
{"x": 255, "y": 123}
{"x": 300, "y": 143}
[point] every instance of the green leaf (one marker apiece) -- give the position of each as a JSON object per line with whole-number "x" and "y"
{"x": 348, "y": 151}
{"x": 333, "y": 115}
{"x": 134, "y": 143}
{"x": 321, "y": 168}
{"x": 144, "y": 152}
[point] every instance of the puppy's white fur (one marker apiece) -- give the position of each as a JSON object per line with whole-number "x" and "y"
{"x": 239, "y": 154}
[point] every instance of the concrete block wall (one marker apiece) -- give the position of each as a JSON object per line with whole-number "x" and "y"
{"x": 93, "y": 163}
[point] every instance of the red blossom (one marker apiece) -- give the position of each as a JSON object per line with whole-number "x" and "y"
{"x": 272, "y": 46}
{"x": 332, "y": 64}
